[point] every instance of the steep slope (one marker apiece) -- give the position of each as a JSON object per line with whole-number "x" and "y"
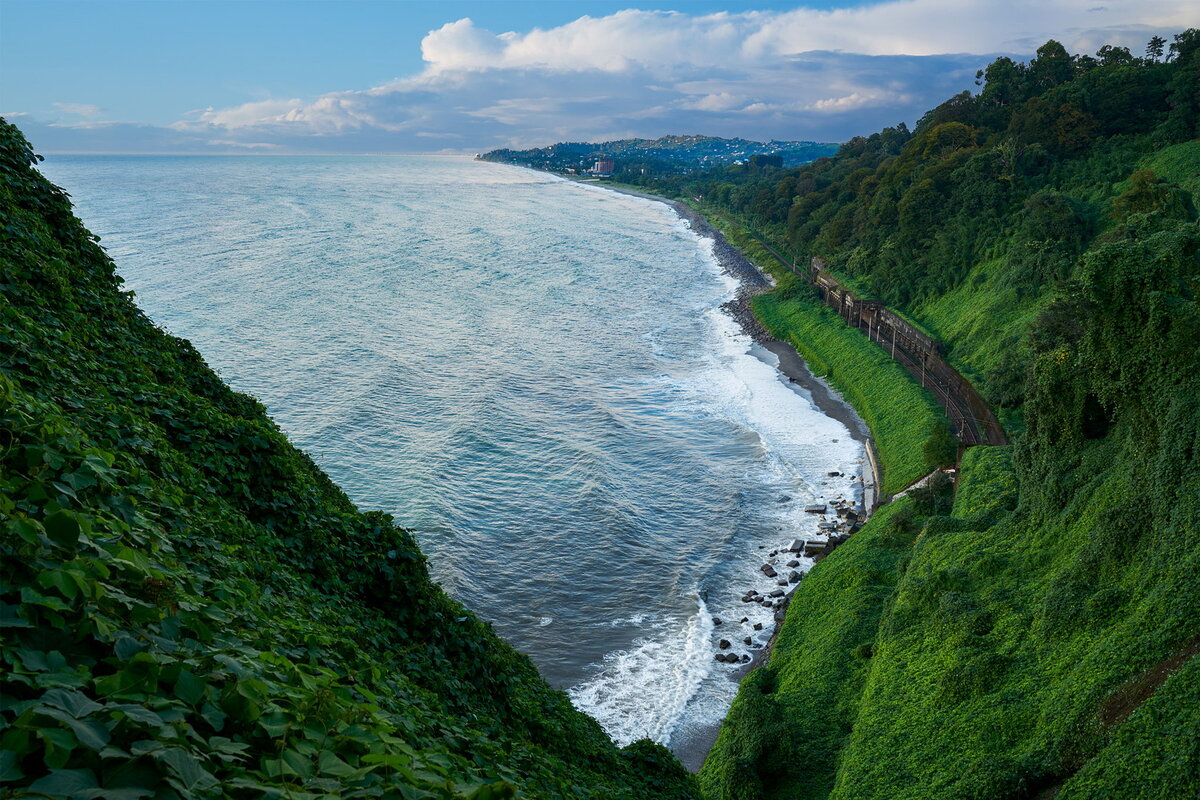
{"x": 1035, "y": 634}
{"x": 190, "y": 608}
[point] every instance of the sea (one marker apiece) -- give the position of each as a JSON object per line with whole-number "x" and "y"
{"x": 533, "y": 374}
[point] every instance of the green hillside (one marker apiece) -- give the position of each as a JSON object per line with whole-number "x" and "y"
{"x": 1034, "y": 634}
{"x": 190, "y": 608}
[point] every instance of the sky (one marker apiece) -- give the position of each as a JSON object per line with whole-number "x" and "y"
{"x": 390, "y": 76}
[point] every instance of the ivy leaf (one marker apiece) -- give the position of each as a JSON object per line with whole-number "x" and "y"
{"x": 27, "y": 529}
{"x": 10, "y": 769}
{"x": 31, "y": 597}
{"x": 59, "y": 745}
{"x": 189, "y": 688}
{"x": 329, "y": 764}
{"x": 62, "y": 528}
{"x": 9, "y": 617}
{"x": 214, "y": 716}
{"x": 275, "y": 724}
{"x": 64, "y": 582}
{"x": 71, "y": 783}
{"x": 143, "y": 746}
{"x": 298, "y": 763}
{"x": 188, "y": 769}
{"x": 141, "y": 714}
{"x": 77, "y": 704}
{"x": 127, "y": 647}
{"x": 500, "y": 790}
{"x": 91, "y": 733}
{"x": 126, "y": 793}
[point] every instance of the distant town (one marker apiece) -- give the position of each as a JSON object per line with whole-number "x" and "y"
{"x": 629, "y": 159}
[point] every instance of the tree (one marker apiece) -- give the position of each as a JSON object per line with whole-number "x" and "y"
{"x": 947, "y": 138}
{"x": 1184, "y": 44}
{"x": 1051, "y": 68}
{"x": 1004, "y": 82}
{"x": 940, "y": 448}
{"x": 1111, "y": 56}
{"x": 1154, "y": 49}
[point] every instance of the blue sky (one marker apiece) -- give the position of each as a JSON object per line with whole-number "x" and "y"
{"x": 352, "y": 76}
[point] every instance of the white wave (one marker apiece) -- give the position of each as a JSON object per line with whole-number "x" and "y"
{"x": 642, "y": 692}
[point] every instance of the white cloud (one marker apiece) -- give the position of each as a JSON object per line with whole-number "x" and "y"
{"x": 79, "y": 109}
{"x": 634, "y": 39}
{"x": 801, "y": 74}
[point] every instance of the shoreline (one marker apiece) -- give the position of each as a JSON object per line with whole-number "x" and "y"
{"x": 791, "y": 365}
{"x": 752, "y": 281}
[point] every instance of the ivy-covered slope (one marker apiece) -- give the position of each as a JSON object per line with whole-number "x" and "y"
{"x": 1035, "y": 635}
{"x": 190, "y": 608}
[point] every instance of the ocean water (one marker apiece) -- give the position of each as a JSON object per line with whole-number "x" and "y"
{"x": 533, "y": 375}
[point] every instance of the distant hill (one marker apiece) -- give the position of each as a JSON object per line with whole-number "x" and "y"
{"x": 667, "y": 155}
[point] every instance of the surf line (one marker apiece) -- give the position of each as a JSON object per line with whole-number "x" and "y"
{"x": 753, "y": 281}
{"x": 804, "y": 550}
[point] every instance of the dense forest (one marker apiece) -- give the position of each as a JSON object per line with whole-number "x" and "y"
{"x": 1009, "y": 186}
{"x": 190, "y": 608}
{"x": 1032, "y": 632}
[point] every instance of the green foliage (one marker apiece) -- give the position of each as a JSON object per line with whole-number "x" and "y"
{"x": 1179, "y": 164}
{"x": 987, "y": 485}
{"x": 792, "y": 717}
{"x": 940, "y": 448}
{"x": 1037, "y": 637}
{"x": 190, "y": 608}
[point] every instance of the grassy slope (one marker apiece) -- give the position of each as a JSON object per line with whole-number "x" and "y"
{"x": 986, "y": 314}
{"x": 192, "y": 609}
{"x": 1179, "y": 163}
{"x": 1062, "y": 580}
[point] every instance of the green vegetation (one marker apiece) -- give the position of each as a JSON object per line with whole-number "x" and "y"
{"x": 1036, "y": 636}
{"x": 792, "y": 717}
{"x": 190, "y": 608}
